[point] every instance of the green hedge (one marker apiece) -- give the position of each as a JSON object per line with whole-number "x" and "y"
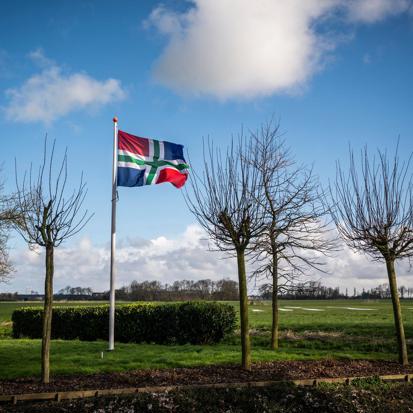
{"x": 192, "y": 322}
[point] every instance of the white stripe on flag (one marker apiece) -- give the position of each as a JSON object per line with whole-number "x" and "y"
{"x": 148, "y": 158}
{"x": 130, "y": 165}
{"x": 151, "y": 148}
{"x": 161, "y": 150}
{"x": 132, "y": 155}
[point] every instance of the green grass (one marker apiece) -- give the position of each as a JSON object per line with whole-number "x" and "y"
{"x": 333, "y": 333}
{"x": 21, "y": 357}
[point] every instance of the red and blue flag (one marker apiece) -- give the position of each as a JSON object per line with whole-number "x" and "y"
{"x": 143, "y": 161}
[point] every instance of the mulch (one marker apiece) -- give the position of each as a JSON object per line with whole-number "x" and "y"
{"x": 266, "y": 371}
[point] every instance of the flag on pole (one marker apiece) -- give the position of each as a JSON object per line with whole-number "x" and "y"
{"x": 143, "y": 161}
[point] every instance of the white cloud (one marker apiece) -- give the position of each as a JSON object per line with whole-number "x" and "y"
{"x": 52, "y": 93}
{"x": 244, "y": 48}
{"x": 371, "y": 11}
{"x": 170, "y": 259}
{"x": 356, "y": 270}
{"x": 238, "y": 47}
{"x": 166, "y": 21}
{"x": 38, "y": 57}
{"x": 161, "y": 258}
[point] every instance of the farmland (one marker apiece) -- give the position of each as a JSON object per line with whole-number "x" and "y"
{"x": 343, "y": 329}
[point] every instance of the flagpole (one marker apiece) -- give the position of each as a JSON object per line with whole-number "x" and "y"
{"x": 113, "y": 239}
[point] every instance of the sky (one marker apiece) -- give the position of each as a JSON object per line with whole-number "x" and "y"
{"x": 333, "y": 72}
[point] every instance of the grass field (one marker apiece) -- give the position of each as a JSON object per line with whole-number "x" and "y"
{"x": 309, "y": 329}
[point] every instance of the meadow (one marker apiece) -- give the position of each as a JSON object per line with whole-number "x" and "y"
{"x": 342, "y": 329}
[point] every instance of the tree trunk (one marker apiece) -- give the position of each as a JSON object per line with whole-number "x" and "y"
{"x": 47, "y": 314}
{"x": 243, "y": 306}
{"x": 275, "y": 311}
{"x": 397, "y": 311}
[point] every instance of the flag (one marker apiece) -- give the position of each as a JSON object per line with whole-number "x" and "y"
{"x": 143, "y": 161}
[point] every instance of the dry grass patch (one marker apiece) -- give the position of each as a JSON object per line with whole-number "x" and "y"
{"x": 311, "y": 335}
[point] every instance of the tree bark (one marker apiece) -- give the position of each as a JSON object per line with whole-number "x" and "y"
{"x": 47, "y": 314}
{"x": 397, "y": 311}
{"x": 275, "y": 311}
{"x": 243, "y": 304}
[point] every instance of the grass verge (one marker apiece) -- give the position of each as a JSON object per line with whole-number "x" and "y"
{"x": 21, "y": 358}
{"x": 333, "y": 331}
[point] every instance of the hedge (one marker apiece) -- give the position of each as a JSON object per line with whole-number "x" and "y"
{"x": 192, "y": 322}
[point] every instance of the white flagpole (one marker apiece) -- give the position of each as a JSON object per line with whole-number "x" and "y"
{"x": 113, "y": 238}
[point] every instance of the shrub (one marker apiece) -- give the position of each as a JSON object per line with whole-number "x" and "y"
{"x": 192, "y": 322}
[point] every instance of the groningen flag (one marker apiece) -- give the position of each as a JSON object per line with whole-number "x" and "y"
{"x": 143, "y": 161}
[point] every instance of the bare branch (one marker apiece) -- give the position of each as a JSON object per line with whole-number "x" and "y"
{"x": 50, "y": 216}
{"x": 373, "y": 210}
{"x": 296, "y": 235}
{"x": 223, "y": 200}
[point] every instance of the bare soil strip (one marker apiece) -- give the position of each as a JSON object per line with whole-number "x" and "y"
{"x": 58, "y": 396}
{"x": 261, "y": 372}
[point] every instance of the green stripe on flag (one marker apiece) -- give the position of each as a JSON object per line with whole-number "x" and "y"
{"x": 153, "y": 163}
{"x": 152, "y": 172}
{"x": 157, "y": 164}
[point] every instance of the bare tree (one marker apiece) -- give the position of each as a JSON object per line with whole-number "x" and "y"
{"x": 5, "y": 265}
{"x": 50, "y": 216}
{"x": 372, "y": 206}
{"x": 8, "y": 217}
{"x": 296, "y": 236}
{"x": 223, "y": 201}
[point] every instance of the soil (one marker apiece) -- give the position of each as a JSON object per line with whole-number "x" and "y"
{"x": 268, "y": 371}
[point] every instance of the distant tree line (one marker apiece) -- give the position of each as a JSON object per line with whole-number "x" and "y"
{"x": 75, "y": 291}
{"x": 312, "y": 290}
{"x": 182, "y": 290}
{"x": 9, "y": 296}
{"x": 221, "y": 290}
{"x": 383, "y": 291}
{"x": 207, "y": 289}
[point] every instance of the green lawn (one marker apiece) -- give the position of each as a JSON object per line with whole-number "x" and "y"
{"x": 310, "y": 330}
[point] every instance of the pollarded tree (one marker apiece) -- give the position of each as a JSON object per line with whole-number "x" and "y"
{"x": 50, "y": 215}
{"x": 5, "y": 266}
{"x": 8, "y": 217}
{"x": 296, "y": 235}
{"x": 223, "y": 200}
{"x": 372, "y": 206}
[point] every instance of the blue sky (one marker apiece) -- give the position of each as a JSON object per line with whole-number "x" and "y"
{"x": 334, "y": 72}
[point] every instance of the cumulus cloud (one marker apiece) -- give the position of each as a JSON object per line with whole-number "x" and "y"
{"x": 243, "y": 48}
{"x": 372, "y": 11}
{"x": 53, "y": 93}
{"x": 348, "y": 269}
{"x": 169, "y": 259}
{"x": 163, "y": 259}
